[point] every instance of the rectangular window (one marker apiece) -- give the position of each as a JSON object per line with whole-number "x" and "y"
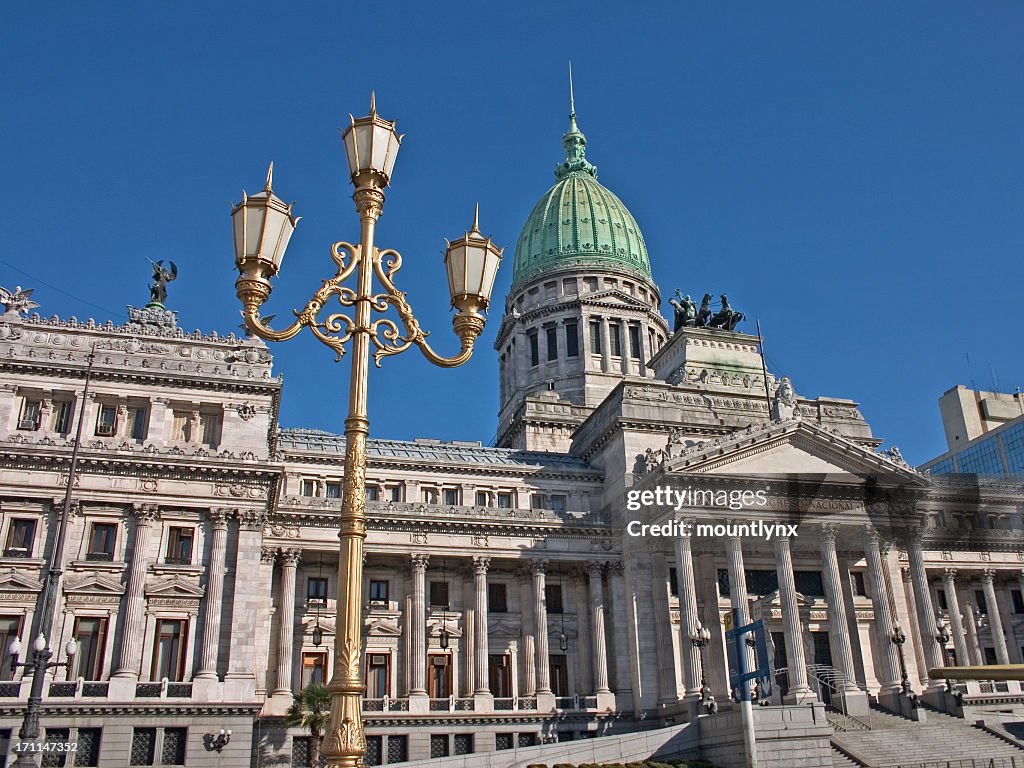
{"x": 553, "y": 598}
{"x": 504, "y": 501}
{"x": 10, "y": 629}
{"x": 62, "y": 410}
{"x": 30, "y": 411}
{"x": 308, "y": 488}
{"x": 634, "y": 342}
{"x": 451, "y": 496}
{"x": 398, "y": 749}
{"x": 88, "y": 753}
{"x": 396, "y": 493}
{"x": 979, "y": 599}
{"x": 439, "y": 594}
{"x": 314, "y": 668}
{"x": 504, "y": 740}
{"x": 497, "y": 598}
{"x": 169, "y": 650}
{"x": 179, "y": 546}
{"x": 377, "y": 676}
{"x": 316, "y": 590}
{"x": 439, "y": 745}
{"x": 463, "y": 743}
{"x": 20, "y": 537}
{"x": 558, "y": 501}
{"x": 54, "y": 758}
{"x": 172, "y": 751}
{"x": 91, "y": 634}
{"x": 181, "y": 427}
{"x": 106, "y": 420}
{"x": 572, "y": 340}
{"x": 143, "y": 746}
{"x": 138, "y": 423}
{"x": 809, "y": 583}
{"x": 552, "y": 342}
{"x": 334, "y": 490}
{"x": 481, "y": 499}
{"x": 499, "y": 675}
{"x": 615, "y": 339}
{"x": 209, "y": 425}
{"x": 534, "y": 349}
{"x": 558, "y": 671}
{"x": 595, "y": 337}
{"x": 1018, "y": 600}
{"x": 673, "y": 582}
{"x": 859, "y": 588}
{"x": 439, "y": 682}
{"x": 372, "y": 493}
{"x": 378, "y": 591}
{"x": 530, "y": 739}
{"x": 940, "y": 595}
{"x": 102, "y": 538}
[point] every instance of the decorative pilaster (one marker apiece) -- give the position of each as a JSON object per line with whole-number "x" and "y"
{"x": 688, "y": 618}
{"x": 214, "y": 594}
{"x": 620, "y": 634}
{"x": 665, "y": 651}
{"x": 289, "y": 562}
{"x": 606, "y": 345}
{"x": 884, "y": 621}
{"x": 248, "y": 604}
{"x": 600, "y": 647}
{"x": 923, "y": 603}
{"x": 799, "y": 690}
{"x": 956, "y": 624}
{"x": 995, "y": 621}
{"x": 418, "y": 626}
{"x": 130, "y": 656}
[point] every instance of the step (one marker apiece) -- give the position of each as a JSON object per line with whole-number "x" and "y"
{"x": 839, "y": 760}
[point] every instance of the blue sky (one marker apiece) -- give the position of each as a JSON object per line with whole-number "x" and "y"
{"x": 850, "y": 174}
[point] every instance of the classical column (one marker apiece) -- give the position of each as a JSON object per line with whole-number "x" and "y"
{"x": 799, "y": 690}
{"x": 289, "y": 561}
{"x": 956, "y": 624}
{"x": 214, "y": 594}
{"x": 528, "y": 636}
{"x": 995, "y": 621}
{"x": 130, "y": 656}
{"x": 738, "y": 591}
{"x": 249, "y": 603}
{"x": 418, "y": 625}
{"x": 688, "y": 619}
{"x": 606, "y": 345}
{"x": 668, "y": 692}
{"x": 915, "y": 630}
{"x": 923, "y": 602}
{"x": 884, "y": 621}
{"x": 620, "y": 633}
{"x": 480, "y": 566}
{"x": 842, "y": 655}
{"x": 540, "y": 624}
{"x": 600, "y": 654}
{"x": 971, "y": 624}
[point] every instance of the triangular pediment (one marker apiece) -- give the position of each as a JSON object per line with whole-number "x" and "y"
{"x": 787, "y": 448}
{"x": 614, "y": 296}
{"x": 18, "y": 581}
{"x": 174, "y": 588}
{"x": 94, "y": 584}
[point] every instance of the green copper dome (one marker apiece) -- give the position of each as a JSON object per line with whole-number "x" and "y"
{"x": 578, "y": 222}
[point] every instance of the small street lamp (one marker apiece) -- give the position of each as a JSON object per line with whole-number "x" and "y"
{"x": 700, "y": 638}
{"x": 942, "y": 637}
{"x": 262, "y": 226}
{"x": 898, "y": 638}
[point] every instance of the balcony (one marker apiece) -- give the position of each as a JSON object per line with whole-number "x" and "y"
{"x": 79, "y": 689}
{"x": 99, "y": 557}
{"x": 387, "y": 704}
{"x": 21, "y": 552}
{"x": 29, "y": 425}
{"x": 164, "y": 689}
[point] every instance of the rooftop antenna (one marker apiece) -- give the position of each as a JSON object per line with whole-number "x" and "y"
{"x": 995, "y": 379}
{"x": 572, "y": 100}
{"x": 970, "y": 371}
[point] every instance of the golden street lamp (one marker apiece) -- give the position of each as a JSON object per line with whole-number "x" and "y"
{"x": 262, "y": 225}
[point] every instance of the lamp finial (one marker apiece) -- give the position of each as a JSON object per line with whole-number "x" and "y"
{"x": 270, "y": 178}
{"x": 476, "y": 218}
{"x": 373, "y": 102}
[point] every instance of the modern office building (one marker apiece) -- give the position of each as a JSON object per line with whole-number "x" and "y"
{"x": 984, "y": 433}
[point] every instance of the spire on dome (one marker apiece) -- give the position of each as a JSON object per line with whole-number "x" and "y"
{"x": 574, "y": 143}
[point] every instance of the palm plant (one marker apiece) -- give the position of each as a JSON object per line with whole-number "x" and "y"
{"x": 310, "y": 711}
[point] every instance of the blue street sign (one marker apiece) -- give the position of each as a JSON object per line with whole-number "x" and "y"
{"x": 736, "y": 646}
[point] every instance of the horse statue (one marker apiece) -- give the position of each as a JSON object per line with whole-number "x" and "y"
{"x": 685, "y": 311}
{"x": 704, "y": 313}
{"x": 726, "y": 318}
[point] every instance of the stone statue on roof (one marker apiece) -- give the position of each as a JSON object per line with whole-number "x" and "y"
{"x": 161, "y": 277}
{"x": 18, "y": 301}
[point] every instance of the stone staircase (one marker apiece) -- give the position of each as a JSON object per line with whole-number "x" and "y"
{"x": 943, "y": 741}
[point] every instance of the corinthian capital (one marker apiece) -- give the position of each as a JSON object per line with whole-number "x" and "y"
{"x": 829, "y": 533}
{"x": 419, "y": 562}
{"x": 481, "y": 564}
{"x": 145, "y": 514}
{"x": 289, "y": 558}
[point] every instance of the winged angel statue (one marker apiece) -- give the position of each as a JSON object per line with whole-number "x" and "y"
{"x": 19, "y": 301}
